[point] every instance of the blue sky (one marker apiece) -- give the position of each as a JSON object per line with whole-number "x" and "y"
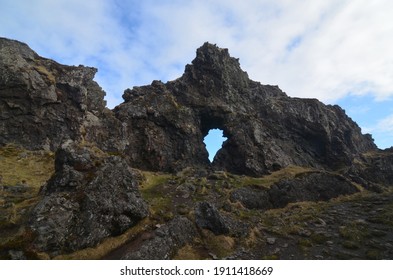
{"x": 339, "y": 51}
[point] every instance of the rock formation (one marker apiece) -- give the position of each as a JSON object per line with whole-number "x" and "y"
{"x": 89, "y": 197}
{"x": 44, "y": 103}
{"x": 266, "y": 129}
{"x": 162, "y": 126}
{"x": 309, "y": 186}
{"x": 279, "y": 151}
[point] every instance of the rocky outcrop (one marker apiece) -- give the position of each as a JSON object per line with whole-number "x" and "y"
{"x": 44, "y": 103}
{"x": 207, "y": 216}
{"x": 374, "y": 170}
{"x": 310, "y": 186}
{"x": 161, "y": 127}
{"x": 266, "y": 129}
{"x": 165, "y": 241}
{"x": 90, "y": 197}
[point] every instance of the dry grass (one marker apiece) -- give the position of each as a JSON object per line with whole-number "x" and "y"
{"x": 18, "y": 166}
{"x": 268, "y": 180}
{"x": 43, "y": 71}
{"x": 108, "y": 245}
{"x": 187, "y": 252}
{"x": 219, "y": 245}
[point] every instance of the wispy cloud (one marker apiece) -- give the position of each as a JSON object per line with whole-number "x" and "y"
{"x": 384, "y": 125}
{"x": 322, "y": 49}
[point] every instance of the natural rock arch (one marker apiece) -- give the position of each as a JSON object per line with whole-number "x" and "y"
{"x": 266, "y": 129}
{"x": 162, "y": 126}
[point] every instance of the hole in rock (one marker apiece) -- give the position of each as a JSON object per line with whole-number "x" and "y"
{"x": 213, "y": 141}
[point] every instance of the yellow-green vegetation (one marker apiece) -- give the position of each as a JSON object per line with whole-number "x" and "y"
{"x": 22, "y": 174}
{"x": 253, "y": 237}
{"x": 219, "y": 245}
{"x": 268, "y": 180}
{"x": 278, "y": 221}
{"x": 151, "y": 191}
{"x": 19, "y": 166}
{"x": 355, "y": 232}
{"x": 43, "y": 71}
{"x": 107, "y": 245}
{"x": 188, "y": 252}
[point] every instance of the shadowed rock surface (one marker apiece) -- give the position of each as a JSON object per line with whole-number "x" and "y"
{"x": 44, "y": 103}
{"x": 266, "y": 129}
{"x": 89, "y": 197}
{"x": 311, "y": 186}
{"x": 207, "y": 216}
{"x": 166, "y": 241}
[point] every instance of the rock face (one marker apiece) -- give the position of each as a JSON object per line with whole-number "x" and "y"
{"x": 87, "y": 199}
{"x": 44, "y": 103}
{"x": 310, "y": 186}
{"x": 207, "y": 216}
{"x": 162, "y": 126}
{"x": 166, "y": 241}
{"x": 376, "y": 168}
{"x": 266, "y": 129}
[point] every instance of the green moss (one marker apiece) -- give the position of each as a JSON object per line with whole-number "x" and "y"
{"x": 152, "y": 190}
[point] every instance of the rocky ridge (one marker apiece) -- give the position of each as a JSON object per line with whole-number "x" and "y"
{"x": 280, "y": 187}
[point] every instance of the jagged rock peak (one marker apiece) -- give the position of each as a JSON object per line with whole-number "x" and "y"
{"x": 218, "y": 67}
{"x": 210, "y": 56}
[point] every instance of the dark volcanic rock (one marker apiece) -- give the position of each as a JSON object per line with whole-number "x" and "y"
{"x": 208, "y": 217}
{"x": 162, "y": 126}
{"x": 373, "y": 169}
{"x": 310, "y": 186}
{"x": 88, "y": 199}
{"x": 252, "y": 198}
{"x": 266, "y": 129}
{"x": 166, "y": 241}
{"x": 44, "y": 103}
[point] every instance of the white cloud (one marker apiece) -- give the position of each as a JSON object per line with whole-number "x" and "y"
{"x": 322, "y": 49}
{"x": 385, "y": 125}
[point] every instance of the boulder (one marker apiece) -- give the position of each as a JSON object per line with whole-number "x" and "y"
{"x": 207, "y": 216}
{"x": 373, "y": 170}
{"x": 309, "y": 186}
{"x": 166, "y": 241}
{"x": 85, "y": 201}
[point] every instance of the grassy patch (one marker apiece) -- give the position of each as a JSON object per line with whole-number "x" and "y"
{"x": 107, "y": 245}
{"x": 18, "y": 166}
{"x": 188, "y": 252}
{"x": 268, "y": 180}
{"x": 219, "y": 245}
{"x": 152, "y": 190}
{"x": 354, "y": 235}
{"x": 23, "y": 172}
